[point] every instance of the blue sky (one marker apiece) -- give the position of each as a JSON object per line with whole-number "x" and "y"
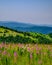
{"x": 27, "y": 11}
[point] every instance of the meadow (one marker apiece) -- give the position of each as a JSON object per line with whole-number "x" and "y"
{"x": 25, "y": 54}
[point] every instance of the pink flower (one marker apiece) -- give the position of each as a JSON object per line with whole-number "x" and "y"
{"x": 20, "y": 45}
{"x": 27, "y": 45}
{"x": 30, "y": 55}
{"x": 15, "y": 54}
{"x": 4, "y": 52}
{"x": 37, "y": 48}
{"x": 28, "y": 49}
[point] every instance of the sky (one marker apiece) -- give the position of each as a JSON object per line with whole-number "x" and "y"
{"x": 27, "y": 11}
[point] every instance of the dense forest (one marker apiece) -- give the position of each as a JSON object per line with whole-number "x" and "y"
{"x": 12, "y": 36}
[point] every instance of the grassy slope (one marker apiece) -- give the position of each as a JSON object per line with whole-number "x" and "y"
{"x": 32, "y": 35}
{"x": 7, "y": 31}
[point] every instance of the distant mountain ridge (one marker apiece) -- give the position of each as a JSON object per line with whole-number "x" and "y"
{"x": 27, "y": 27}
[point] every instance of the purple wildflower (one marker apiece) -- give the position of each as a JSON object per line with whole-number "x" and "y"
{"x": 30, "y": 55}
{"x": 15, "y": 54}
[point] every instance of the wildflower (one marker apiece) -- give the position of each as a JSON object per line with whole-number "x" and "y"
{"x": 27, "y": 45}
{"x": 20, "y": 45}
{"x": 30, "y": 55}
{"x": 4, "y": 52}
{"x": 37, "y": 48}
{"x": 28, "y": 49}
{"x": 15, "y": 54}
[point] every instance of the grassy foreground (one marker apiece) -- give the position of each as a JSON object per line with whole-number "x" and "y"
{"x": 21, "y": 54}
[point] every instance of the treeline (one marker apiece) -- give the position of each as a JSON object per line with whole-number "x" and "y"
{"x": 27, "y": 38}
{"x": 17, "y": 39}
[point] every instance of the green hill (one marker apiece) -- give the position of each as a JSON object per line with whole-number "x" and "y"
{"x": 12, "y": 36}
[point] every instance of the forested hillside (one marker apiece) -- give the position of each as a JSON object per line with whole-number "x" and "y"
{"x": 9, "y": 35}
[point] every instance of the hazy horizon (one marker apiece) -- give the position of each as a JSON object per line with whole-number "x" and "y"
{"x": 26, "y": 11}
{"x": 50, "y": 25}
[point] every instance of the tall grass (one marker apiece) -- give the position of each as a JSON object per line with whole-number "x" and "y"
{"x": 20, "y": 54}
